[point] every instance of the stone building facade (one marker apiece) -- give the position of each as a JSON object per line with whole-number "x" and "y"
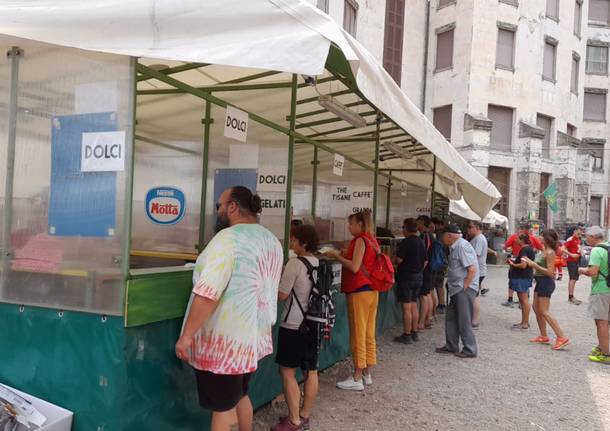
{"x": 519, "y": 87}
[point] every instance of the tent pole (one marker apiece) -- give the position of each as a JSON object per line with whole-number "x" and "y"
{"x": 433, "y": 197}
{"x": 204, "y": 174}
{"x": 376, "y": 171}
{"x": 314, "y": 189}
{"x": 291, "y": 138}
{"x": 14, "y": 55}
{"x": 130, "y": 149}
{"x": 387, "y": 201}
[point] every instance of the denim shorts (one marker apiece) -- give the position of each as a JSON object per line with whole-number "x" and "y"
{"x": 520, "y": 285}
{"x": 545, "y": 286}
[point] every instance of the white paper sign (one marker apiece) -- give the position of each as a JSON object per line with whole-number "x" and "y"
{"x": 103, "y": 152}
{"x": 338, "y": 165}
{"x": 236, "y": 124}
{"x": 403, "y": 189}
{"x": 271, "y": 179}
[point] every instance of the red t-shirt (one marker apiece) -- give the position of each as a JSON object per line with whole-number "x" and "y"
{"x": 510, "y": 243}
{"x": 350, "y": 282}
{"x": 573, "y": 246}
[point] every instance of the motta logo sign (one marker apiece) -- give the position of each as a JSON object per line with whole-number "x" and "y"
{"x": 165, "y": 205}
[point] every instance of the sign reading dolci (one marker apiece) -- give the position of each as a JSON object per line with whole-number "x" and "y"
{"x": 165, "y": 205}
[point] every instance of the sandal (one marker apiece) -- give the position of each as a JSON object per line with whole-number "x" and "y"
{"x": 520, "y": 326}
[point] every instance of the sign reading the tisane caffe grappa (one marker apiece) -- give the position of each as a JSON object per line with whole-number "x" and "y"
{"x": 346, "y": 200}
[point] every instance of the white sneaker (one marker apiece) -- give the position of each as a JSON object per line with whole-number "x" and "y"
{"x": 350, "y": 384}
{"x": 367, "y": 379}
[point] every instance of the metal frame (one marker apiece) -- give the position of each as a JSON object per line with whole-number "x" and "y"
{"x": 14, "y": 55}
{"x": 319, "y": 140}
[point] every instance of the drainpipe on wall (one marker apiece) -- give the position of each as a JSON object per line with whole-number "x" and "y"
{"x": 425, "y": 74}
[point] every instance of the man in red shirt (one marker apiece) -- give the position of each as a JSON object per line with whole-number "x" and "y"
{"x": 572, "y": 246}
{"x": 514, "y": 249}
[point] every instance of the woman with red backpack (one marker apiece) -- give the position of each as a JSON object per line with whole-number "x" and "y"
{"x": 362, "y": 298}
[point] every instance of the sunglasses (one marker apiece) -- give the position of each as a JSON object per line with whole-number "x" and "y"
{"x": 218, "y": 204}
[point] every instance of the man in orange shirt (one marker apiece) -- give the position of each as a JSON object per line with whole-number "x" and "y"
{"x": 514, "y": 247}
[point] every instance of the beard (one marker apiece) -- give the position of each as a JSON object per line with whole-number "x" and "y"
{"x": 222, "y": 222}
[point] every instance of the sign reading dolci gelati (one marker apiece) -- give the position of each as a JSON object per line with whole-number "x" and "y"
{"x": 165, "y": 205}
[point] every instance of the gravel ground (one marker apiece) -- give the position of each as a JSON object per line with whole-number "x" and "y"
{"x": 512, "y": 385}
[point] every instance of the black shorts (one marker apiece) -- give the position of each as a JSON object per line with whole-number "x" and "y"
{"x": 426, "y": 286}
{"x": 408, "y": 290}
{"x": 480, "y": 285}
{"x": 295, "y": 350}
{"x": 220, "y": 392}
{"x": 573, "y": 270}
{"x": 438, "y": 279}
{"x": 545, "y": 286}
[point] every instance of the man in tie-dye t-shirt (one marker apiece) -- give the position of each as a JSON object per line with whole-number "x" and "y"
{"x": 227, "y": 328}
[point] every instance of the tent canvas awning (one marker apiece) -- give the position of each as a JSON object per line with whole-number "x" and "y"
{"x": 255, "y": 37}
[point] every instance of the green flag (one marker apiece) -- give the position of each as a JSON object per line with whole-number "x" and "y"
{"x": 550, "y": 194}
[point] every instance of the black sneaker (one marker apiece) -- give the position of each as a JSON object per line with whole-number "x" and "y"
{"x": 440, "y": 309}
{"x": 484, "y": 292}
{"x": 404, "y": 339}
{"x": 415, "y": 336}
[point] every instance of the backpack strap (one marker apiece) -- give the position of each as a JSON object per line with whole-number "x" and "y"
{"x": 605, "y": 247}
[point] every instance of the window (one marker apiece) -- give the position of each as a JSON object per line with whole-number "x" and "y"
{"x": 350, "y": 15}
{"x": 545, "y": 123}
{"x": 594, "y": 105}
{"x": 444, "y": 49}
{"x": 578, "y": 17}
{"x": 505, "y": 49}
{"x": 599, "y": 12}
{"x": 597, "y": 154}
{"x": 443, "y": 3}
{"x": 595, "y": 211}
{"x": 392, "y": 45}
{"x": 502, "y": 127}
{"x": 575, "y": 70}
{"x": 550, "y": 60}
{"x": 552, "y": 9}
{"x": 322, "y": 5}
{"x": 597, "y": 59}
{"x": 543, "y": 206}
{"x": 442, "y": 120}
{"x": 571, "y": 130}
{"x": 500, "y": 177}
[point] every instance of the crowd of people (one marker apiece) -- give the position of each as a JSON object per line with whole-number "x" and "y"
{"x": 240, "y": 277}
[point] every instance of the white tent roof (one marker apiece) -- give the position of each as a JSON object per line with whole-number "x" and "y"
{"x": 461, "y": 208}
{"x": 289, "y": 36}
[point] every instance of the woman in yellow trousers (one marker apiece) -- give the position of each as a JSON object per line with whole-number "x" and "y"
{"x": 362, "y": 299}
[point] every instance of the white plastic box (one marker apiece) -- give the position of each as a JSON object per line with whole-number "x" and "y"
{"x": 58, "y": 419}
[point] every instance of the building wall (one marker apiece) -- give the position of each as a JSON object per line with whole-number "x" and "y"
{"x": 474, "y": 82}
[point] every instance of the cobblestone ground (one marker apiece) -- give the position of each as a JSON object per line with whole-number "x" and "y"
{"x": 512, "y": 385}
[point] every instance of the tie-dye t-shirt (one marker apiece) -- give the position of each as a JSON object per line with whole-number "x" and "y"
{"x": 240, "y": 268}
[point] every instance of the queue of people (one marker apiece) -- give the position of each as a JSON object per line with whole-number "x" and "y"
{"x": 239, "y": 279}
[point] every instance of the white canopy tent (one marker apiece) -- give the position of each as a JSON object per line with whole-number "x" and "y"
{"x": 288, "y": 36}
{"x": 461, "y": 208}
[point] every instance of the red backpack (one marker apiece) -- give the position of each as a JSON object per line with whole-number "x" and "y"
{"x": 381, "y": 272}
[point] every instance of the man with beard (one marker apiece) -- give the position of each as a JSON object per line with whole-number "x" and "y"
{"x": 227, "y": 328}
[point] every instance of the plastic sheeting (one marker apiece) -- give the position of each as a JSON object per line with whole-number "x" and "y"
{"x": 285, "y": 35}
{"x": 129, "y": 379}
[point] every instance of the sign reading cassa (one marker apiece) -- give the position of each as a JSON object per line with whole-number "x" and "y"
{"x": 236, "y": 124}
{"x": 102, "y": 152}
{"x": 165, "y": 205}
